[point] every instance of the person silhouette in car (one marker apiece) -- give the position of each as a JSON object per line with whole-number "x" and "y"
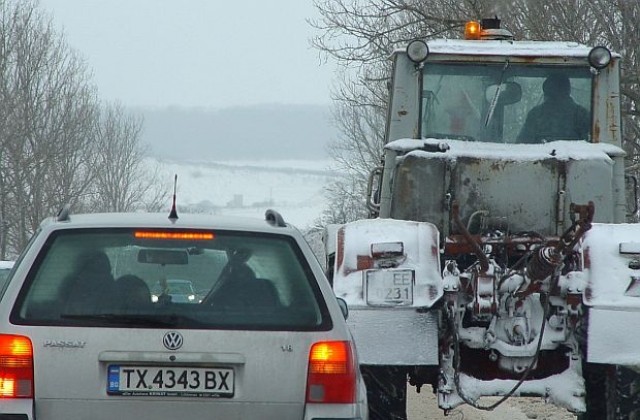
{"x": 558, "y": 117}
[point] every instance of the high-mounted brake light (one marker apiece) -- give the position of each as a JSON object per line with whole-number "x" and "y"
{"x": 472, "y": 30}
{"x": 174, "y": 235}
{"x": 16, "y": 367}
{"x": 332, "y": 373}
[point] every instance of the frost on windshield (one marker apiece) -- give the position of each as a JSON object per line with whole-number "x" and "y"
{"x": 506, "y": 102}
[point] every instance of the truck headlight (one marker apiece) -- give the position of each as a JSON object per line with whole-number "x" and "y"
{"x": 417, "y": 50}
{"x": 599, "y": 57}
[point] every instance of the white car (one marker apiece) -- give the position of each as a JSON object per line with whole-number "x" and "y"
{"x": 82, "y": 338}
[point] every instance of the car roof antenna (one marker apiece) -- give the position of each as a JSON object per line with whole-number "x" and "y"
{"x": 173, "y": 215}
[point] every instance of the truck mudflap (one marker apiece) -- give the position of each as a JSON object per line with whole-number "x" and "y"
{"x": 612, "y": 293}
{"x": 396, "y": 337}
{"x": 388, "y": 272}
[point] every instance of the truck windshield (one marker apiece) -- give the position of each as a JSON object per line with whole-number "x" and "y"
{"x": 506, "y": 102}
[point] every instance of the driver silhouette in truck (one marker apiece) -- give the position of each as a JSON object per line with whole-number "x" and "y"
{"x": 558, "y": 117}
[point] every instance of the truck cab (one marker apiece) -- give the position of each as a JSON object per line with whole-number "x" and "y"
{"x": 474, "y": 97}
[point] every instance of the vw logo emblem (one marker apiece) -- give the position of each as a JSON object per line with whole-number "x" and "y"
{"x": 172, "y": 340}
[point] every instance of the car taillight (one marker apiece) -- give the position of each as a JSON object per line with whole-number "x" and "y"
{"x": 332, "y": 373}
{"x": 16, "y": 367}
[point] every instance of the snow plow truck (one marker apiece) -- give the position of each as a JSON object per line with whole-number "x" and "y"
{"x": 499, "y": 259}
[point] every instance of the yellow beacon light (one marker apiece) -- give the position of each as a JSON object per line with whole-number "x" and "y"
{"x": 472, "y": 30}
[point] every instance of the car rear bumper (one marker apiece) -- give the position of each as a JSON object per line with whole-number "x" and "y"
{"x": 142, "y": 408}
{"x": 16, "y": 409}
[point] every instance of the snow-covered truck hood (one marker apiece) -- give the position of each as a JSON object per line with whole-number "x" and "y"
{"x": 519, "y": 187}
{"x": 560, "y": 150}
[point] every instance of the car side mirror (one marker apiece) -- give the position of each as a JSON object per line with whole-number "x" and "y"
{"x": 343, "y": 307}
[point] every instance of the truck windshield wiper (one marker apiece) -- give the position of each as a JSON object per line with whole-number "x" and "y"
{"x": 494, "y": 101}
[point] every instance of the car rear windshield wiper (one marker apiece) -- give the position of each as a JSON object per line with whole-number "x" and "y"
{"x": 143, "y": 320}
{"x": 127, "y": 319}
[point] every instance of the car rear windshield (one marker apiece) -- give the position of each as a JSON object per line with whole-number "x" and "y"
{"x": 182, "y": 279}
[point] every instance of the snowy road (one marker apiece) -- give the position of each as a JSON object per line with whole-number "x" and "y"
{"x": 424, "y": 406}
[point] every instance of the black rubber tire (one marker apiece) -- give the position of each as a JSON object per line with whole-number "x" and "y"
{"x": 613, "y": 393}
{"x": 386, "y": 392}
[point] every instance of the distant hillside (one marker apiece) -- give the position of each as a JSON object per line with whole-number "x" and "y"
{"x": 255, "y": 132}
{"x": 248, "y": 188}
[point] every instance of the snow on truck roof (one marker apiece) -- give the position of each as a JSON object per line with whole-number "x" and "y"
{"x": 559, "y": 150}
{"x": 507, "y": 48}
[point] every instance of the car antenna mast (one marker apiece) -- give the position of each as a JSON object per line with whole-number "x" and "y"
{"x": 173, "y": 214}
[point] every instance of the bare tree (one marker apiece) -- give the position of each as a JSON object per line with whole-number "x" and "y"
{"x": 57, "y": 145}
{"x": 47, "y": 110}
{"x": 359, "y": 113}
{"x": 121, "y": 181}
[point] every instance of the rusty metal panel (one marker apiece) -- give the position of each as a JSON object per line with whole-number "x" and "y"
{"x": 606, "y": 106}
{"x": 518, "y": 195}
{"x": 419, "y": 191}
{"x": 591, "y": 180}
{"x": 402, "y": 118}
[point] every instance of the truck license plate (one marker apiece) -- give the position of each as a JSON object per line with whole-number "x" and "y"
{"x": 170, "y": 381}
{"x": 389, "y": 287}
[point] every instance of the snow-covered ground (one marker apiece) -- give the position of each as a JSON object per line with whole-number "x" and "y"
{"x": 248, "y": 188}
{"x": 424, "y": 406}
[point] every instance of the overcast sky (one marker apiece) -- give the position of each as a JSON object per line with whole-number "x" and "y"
{"x": 209, "y": 53}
